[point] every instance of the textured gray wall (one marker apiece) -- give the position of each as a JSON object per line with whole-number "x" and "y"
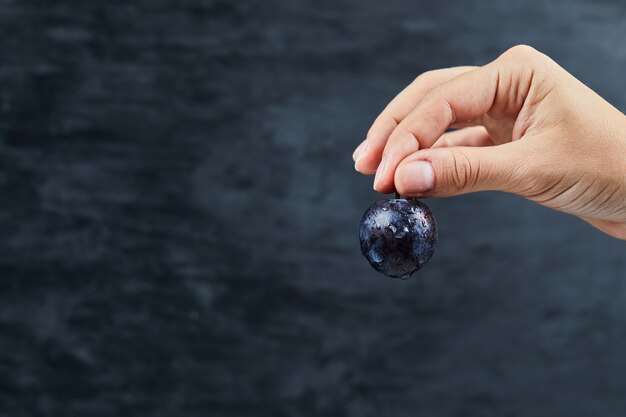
{"x": 179, "y": 212}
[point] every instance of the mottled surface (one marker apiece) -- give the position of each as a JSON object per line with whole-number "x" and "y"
{"x": 398, "y": 236}
{"x": 179, "y": 218}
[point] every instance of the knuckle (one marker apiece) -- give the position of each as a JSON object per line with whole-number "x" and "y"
{"x": 425, "y": 76}
{"x": 524, "y": 53}
{"x": 521, "y": 51}
{"x": 384, "y": 122}
{"x": 402, "y": 133}
{"x": 462, "y": 172}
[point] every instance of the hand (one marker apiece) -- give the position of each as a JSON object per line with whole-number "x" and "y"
{"x": 526, "y": 126}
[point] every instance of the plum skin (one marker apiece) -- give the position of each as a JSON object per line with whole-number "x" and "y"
{"x": 398, "y": 236}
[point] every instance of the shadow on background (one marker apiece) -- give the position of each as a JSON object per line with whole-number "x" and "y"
{"x": 179, "y": 218}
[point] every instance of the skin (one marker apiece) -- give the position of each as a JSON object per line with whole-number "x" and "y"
{"x": 525, "y": 126}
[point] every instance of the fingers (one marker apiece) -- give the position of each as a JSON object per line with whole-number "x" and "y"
{"x": 470, "y": 136}
{"x": 368, "y": 155}
{"x": 442, "y": 172}
{"x": 464, "y": 98}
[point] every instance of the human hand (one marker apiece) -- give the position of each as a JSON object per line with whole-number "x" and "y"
{"x": 526, "y": 126}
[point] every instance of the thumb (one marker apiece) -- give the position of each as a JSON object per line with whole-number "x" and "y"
{"x": 442, "y": 172}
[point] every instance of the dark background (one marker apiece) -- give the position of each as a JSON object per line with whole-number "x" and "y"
{"x": 179, "y": 212}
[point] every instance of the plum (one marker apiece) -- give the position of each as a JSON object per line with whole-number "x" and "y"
{"x": 398, "y": 236}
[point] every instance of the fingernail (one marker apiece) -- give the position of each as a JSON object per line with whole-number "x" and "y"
{"x": 359, "y": 152}
{"x": 359, "y": 149}
{"x": 418, "y": 177}
{"x": 379, "y": 172}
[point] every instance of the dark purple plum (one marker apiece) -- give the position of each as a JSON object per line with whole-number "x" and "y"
{"x": 398, "y": 236}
